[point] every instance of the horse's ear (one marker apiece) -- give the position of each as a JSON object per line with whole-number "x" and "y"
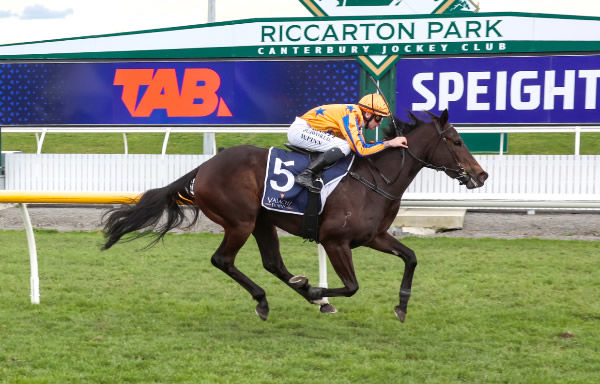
{"x": 444, "y": 117}
{"x": 413, "y": 117}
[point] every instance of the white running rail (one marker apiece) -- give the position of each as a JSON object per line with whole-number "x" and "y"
{"x": 522, "y": 181}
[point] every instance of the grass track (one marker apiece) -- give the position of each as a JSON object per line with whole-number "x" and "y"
{"x": 494, "y": 311}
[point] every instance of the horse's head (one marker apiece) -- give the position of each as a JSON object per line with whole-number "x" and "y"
{"x": 444, "y": 150}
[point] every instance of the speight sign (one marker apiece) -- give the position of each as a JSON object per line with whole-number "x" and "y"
{"x": 503, "y": 90}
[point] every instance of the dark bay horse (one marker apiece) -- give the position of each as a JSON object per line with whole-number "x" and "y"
{"x": 228, "y": 190}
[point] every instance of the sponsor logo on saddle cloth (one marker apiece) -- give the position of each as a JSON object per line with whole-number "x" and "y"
{"x": 282, "y": 194}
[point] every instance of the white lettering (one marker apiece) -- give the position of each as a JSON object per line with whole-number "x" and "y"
{"x": 450, "y": 93}
{"x": 591, "y": 86}
{"x": 516, "y": 91}
{"x": 474, "y": 89}
{"x": 418, "y": 86}
{"x": 567, "y": 92}
{"x": 501, "y": 91}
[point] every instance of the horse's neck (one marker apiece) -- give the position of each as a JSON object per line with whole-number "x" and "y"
{"x": 398, "y": 164}
{"x": 423, "y": 140}
{"x": 395, "y": 165}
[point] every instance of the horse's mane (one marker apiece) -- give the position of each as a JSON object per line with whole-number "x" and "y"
{"x": 403, "y": 126}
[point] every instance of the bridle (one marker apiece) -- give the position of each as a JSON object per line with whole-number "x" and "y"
{"x": 462, "y": 175}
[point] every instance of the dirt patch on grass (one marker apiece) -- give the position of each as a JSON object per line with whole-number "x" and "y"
{"x": 504, "y": 225}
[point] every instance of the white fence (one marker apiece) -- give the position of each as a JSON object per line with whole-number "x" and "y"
{"x": 516, "y": 181}
{"x": 522, "y": 181}
{"x": 95, "y": 172}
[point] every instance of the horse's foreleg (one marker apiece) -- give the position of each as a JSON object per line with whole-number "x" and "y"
{"x": 224, "y": 259}
{"x": 340, "y": 256}
{"x": 268, "y": 244}
{"x": 389, "y": 244}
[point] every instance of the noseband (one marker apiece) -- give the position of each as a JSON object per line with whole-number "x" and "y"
{"x": 462, "y": 175}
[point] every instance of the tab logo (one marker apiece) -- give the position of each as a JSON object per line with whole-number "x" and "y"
{"x": 197, "y": 96}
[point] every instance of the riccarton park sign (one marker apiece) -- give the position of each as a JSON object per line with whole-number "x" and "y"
{"x": 455, "y": 34}
{"x": 495, "y": 68}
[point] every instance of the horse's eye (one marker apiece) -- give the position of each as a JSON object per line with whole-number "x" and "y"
{"x": 458, "y": 143}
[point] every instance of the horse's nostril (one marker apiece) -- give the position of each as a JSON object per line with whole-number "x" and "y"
{"x": 483, "y": 177}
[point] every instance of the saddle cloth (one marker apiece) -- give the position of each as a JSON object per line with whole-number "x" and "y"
{"x": 282, "y": 194}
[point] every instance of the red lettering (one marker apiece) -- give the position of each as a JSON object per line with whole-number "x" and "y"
{"x": 199, "y": 84}
{"x": 162, "y": 93}
{"x": 131, "y": 79}
{"x": 198, "y": 95}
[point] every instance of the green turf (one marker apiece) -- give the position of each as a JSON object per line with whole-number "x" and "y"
{"x": 192, "y": 143}
{"x": 552, "y": 144}
{"x": 482, "y": 311}
{"x": 179, "y": 143}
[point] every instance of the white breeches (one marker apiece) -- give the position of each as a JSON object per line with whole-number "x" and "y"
{"x": 302, "y": 135}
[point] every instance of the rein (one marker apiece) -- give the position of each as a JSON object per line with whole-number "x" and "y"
{"x": 373, "y": 186}
{"x": 462, "y": 177}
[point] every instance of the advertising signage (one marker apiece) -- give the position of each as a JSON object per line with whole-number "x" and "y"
{"x": 381, "y": 36}
{"x": 172, "y": 93}
{"x": 503, "y": 90}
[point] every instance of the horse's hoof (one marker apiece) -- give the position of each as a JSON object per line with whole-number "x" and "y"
{"x": 298, "y": 281}
{"x": 262, "y": 310}
{"x": 328, "y": 308}
{"x": 400, "y": 314}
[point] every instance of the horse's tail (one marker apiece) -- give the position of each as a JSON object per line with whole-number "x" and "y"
{"x": 147, "y": 213}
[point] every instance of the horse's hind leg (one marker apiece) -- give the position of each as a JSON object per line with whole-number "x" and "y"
{"x": 268, "y": 243}
{"x": 224, "y": 259}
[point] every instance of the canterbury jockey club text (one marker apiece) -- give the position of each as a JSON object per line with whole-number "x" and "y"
{"x": 197, "y": 96}
{"x": 343, "y": 39}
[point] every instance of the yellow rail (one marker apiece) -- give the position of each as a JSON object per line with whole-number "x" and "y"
{"x": 27, "y": 197}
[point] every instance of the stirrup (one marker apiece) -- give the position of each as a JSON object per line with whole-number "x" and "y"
{"x": 316, "y": 186}
{"x": 313, "y": 185}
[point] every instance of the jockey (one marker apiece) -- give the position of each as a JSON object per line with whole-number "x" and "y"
{"x": 335, "y": 130}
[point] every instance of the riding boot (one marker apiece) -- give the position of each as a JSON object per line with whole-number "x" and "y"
{"x": 308, "y": 179}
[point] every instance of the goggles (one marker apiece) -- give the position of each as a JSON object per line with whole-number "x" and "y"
{"x": 377, "y": 118}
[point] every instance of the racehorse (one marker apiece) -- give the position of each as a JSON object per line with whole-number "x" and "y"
{"x": 228, "y": 189}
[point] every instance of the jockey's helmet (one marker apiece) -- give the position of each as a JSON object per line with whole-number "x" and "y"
{"x": 374, "y": 103}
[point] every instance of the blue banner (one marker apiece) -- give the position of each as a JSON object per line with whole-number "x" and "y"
{"x": 172, "y": 93}
{"x": 510, "y": 90}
